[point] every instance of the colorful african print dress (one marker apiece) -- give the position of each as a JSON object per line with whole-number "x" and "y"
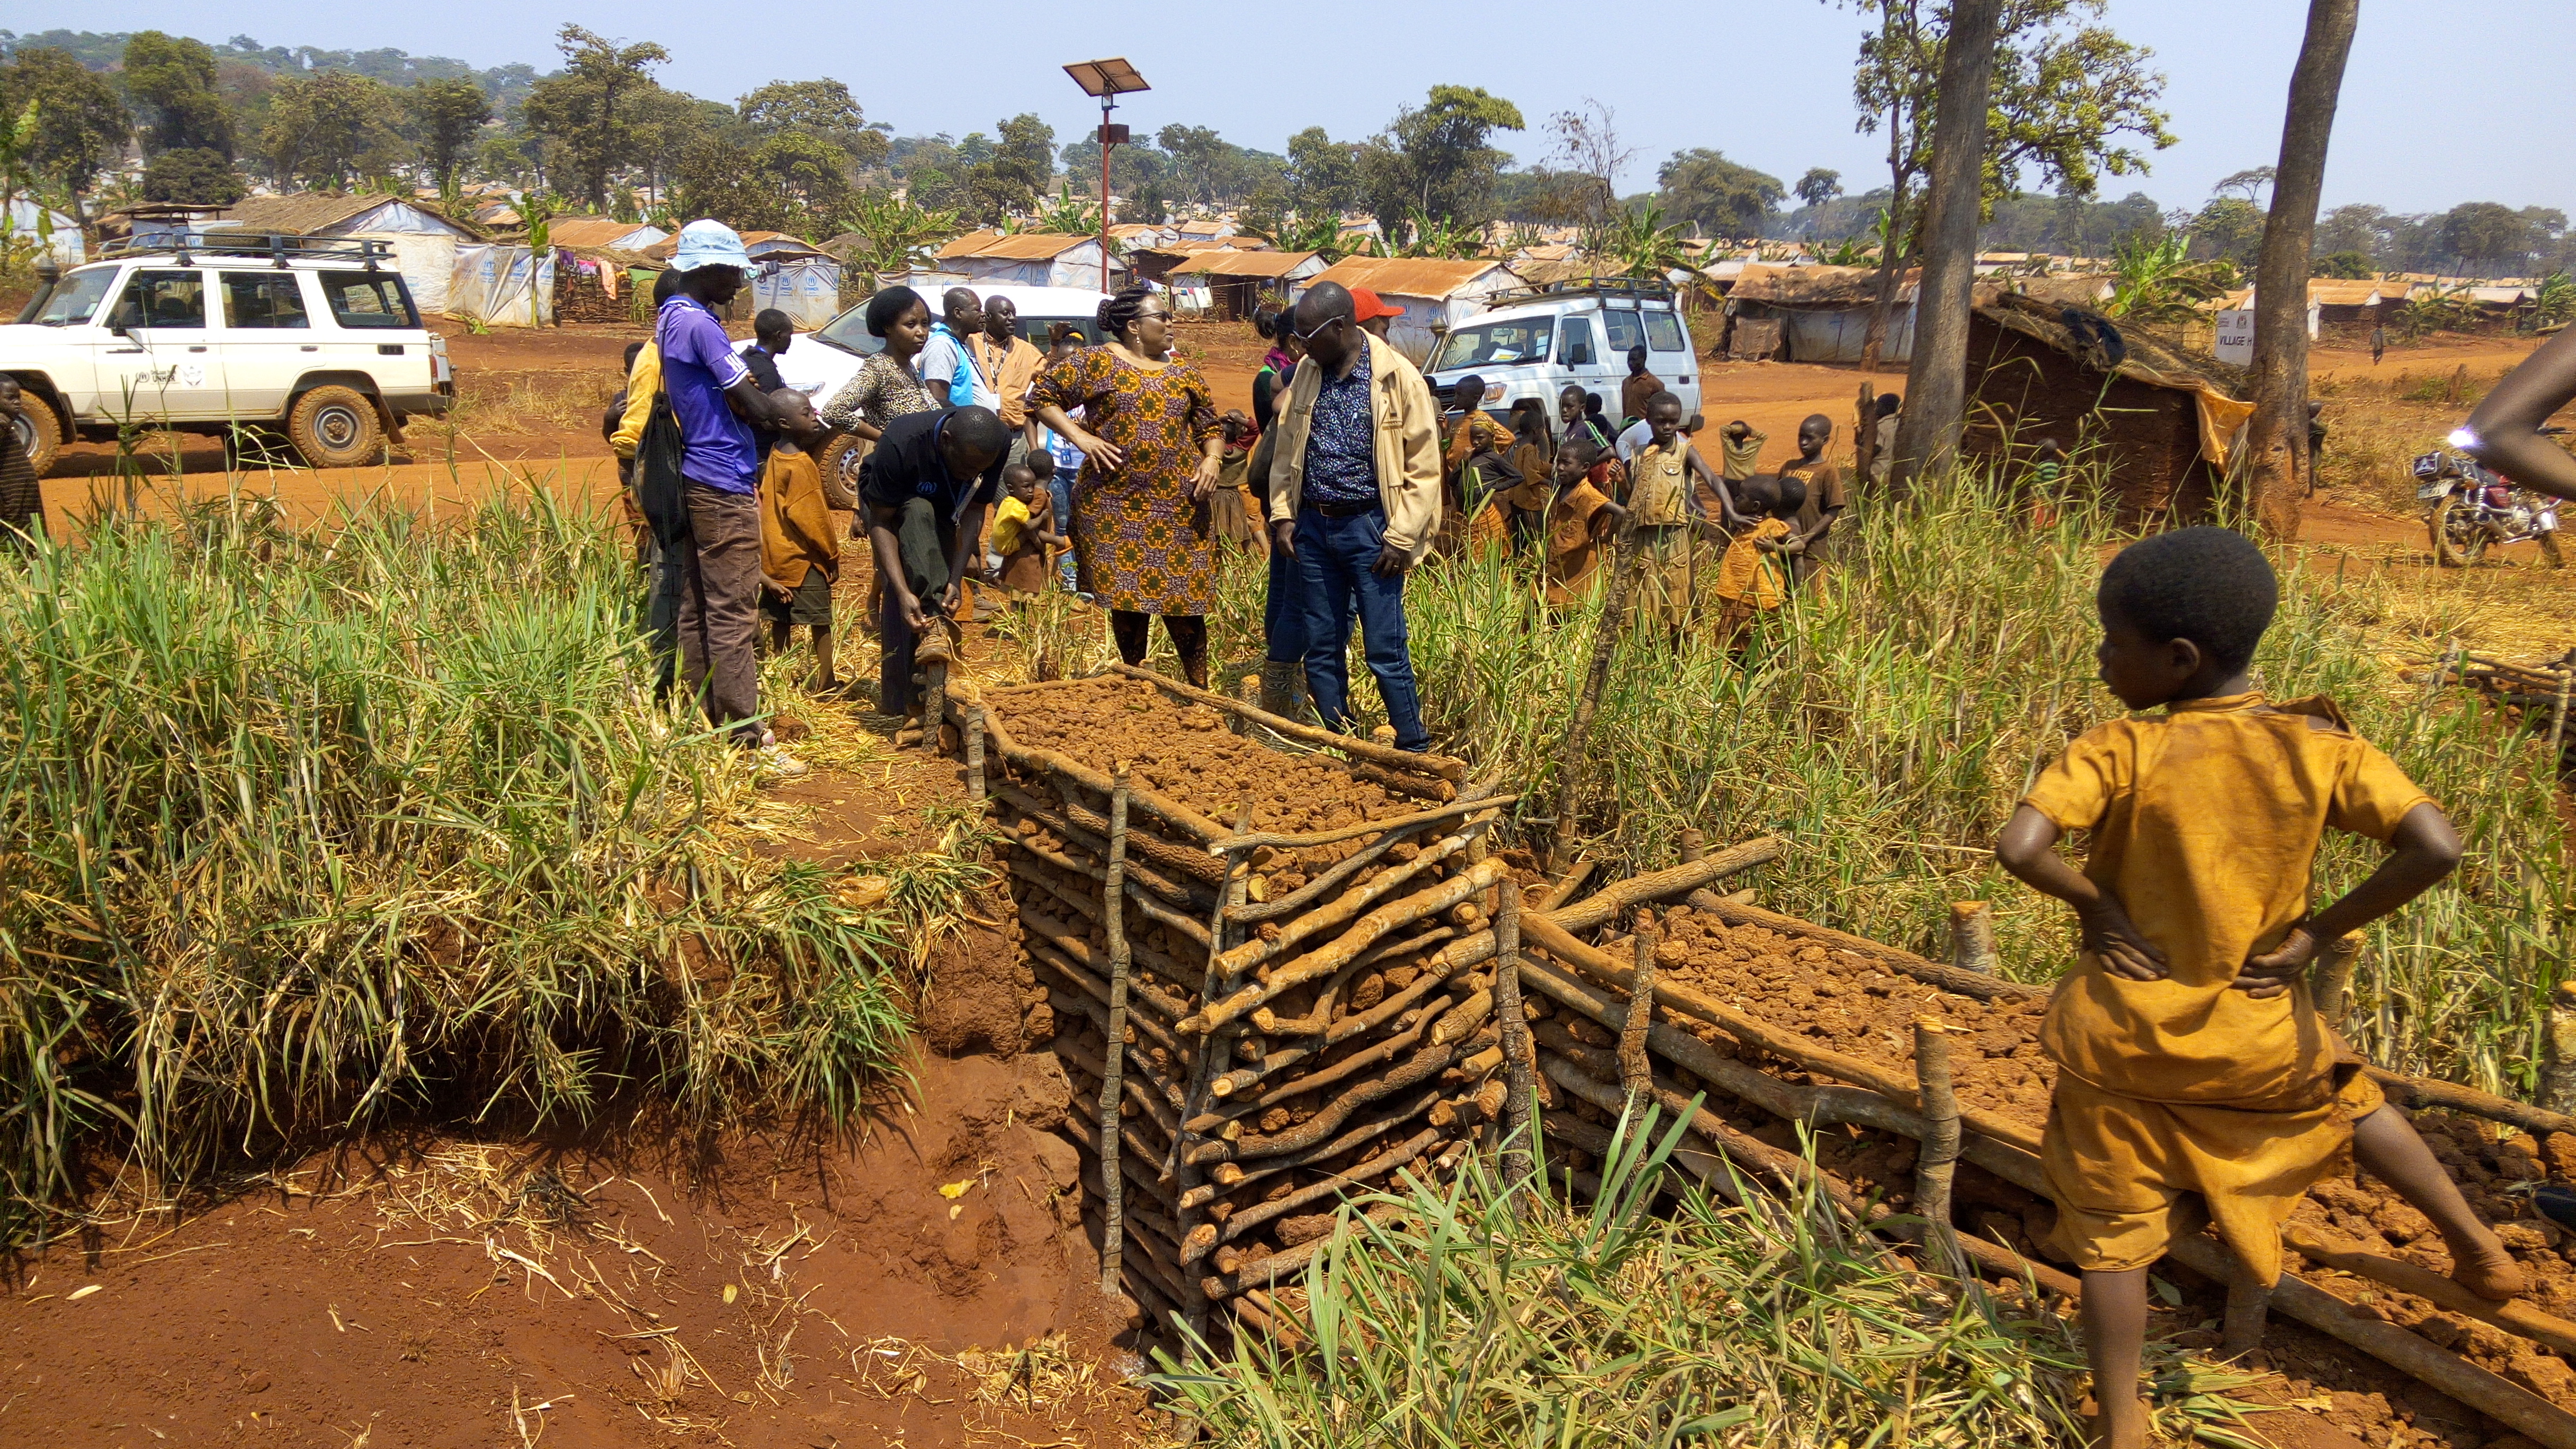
{"x": 1145, "y": 546}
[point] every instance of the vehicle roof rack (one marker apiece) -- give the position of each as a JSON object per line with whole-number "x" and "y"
{"x": 1642, "y": 289}
{"x": 276, "y": 246}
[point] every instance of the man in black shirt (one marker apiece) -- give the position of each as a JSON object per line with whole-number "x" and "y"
{"x": 926, "y": 489}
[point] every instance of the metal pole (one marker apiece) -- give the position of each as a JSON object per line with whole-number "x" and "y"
{"x": 1106, "y": 102}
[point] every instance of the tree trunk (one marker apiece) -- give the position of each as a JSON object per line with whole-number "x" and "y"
{"x": 2276, "y": 440}
{"x": 1936, "y": 384}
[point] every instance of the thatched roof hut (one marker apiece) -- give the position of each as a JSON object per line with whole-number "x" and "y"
{"x": 2157, "y": 417}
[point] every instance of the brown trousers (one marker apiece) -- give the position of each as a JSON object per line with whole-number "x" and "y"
{"x": 720, "y": 608}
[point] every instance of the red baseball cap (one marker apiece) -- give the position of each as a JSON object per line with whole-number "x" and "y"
{"x": 1365, "y": 306}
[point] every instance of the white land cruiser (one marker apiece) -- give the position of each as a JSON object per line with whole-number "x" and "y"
{"x": 1535, "y": 342}
{"x": 317, "y": 337}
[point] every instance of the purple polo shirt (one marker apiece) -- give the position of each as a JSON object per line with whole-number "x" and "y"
{"x": 698, "y": 364}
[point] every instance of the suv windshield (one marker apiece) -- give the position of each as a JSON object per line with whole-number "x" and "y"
{"x": 849, "y": 332}
{"x": 369, "y": 299}
{"x": 76, "y": 297}
{"x": 1496, "y": 344}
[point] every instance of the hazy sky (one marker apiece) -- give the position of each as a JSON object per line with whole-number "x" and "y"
{"x": 2444, "y": 101}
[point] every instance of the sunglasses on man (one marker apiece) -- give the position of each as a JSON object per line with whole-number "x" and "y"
{"x": 1319, "y": 328}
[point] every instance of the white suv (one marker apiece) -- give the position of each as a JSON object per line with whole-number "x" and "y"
{"x": 314, "y": 336}
{"x": 1534, "y": 343}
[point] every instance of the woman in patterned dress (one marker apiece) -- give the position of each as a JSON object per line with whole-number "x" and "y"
{"x": 1152, "y": 451}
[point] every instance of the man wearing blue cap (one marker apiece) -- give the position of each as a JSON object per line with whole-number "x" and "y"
{"x": 717, "y": 402}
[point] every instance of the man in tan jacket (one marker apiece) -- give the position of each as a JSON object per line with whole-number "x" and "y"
{"x": 1355, "y": 500}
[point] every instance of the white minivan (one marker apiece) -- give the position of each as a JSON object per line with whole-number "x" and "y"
{"x": 1536, "y": 341}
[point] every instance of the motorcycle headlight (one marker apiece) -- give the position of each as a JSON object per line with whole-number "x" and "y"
{"x": 2463, "y": 439}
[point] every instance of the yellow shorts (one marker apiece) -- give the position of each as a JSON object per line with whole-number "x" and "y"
{"x": 2117, "y": 1166}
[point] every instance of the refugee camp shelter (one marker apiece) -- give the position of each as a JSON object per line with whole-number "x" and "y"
{"x": 1131, "y": 235}
{"x": 806, "y": 284}
{"x": 1436, "y": 295}
{"x": 1205, "y": 229}
{"x": 500, "y": 284}
{"x": 1028, "y": 259}
{"x": 596, "y": 232}
{"x": 1231, "y": 283}
{"x": 60, "y": 234}
{"x": 603, "y": 284}
{"x": 424, "y": 240}
{"x": 2157, "y": 418}
{"x": 1814, "y": 314}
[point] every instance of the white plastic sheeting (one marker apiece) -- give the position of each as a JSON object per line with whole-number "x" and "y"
{"x": 1839, "y": 334}
{"x": 490, "y": 285}
{"x": 27, "y": 219}
{"x": 808, "y": 291}
{"x": 427, "y": 261}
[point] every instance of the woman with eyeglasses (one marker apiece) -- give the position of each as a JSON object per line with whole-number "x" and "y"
{"x": 1151, "y": 454}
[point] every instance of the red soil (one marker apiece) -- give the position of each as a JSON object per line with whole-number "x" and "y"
{"x": 619, "y": 1287}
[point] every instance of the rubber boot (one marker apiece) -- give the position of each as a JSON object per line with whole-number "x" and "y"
{"x": 1281, "y": 688}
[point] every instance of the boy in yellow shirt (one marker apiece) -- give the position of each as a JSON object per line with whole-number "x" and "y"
{"x": 800, "y": 550}
{"x": 2190, "y": 1056}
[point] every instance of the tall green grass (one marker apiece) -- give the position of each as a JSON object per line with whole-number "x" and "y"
{"x": 1887, "y": 722}
{"x": 301, "y": 830}
{"x": 1615, "y": 1322}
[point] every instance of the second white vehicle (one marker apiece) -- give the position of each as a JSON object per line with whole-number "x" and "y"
{"x": 1537, "y": 342}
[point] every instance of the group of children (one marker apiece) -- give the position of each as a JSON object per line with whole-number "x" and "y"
{"x": 1576, "y": 489}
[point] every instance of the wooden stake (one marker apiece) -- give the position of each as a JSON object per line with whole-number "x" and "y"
{"x": 1972, "y": 936}
{"x": 1938, "y": 1161}
{"x": 1520, "y": 1056}
{"x": 1114, "y": 917}
{"x": 1694, "y": 846}
{"x": 934, "y": 702}
{"x": 975, "y": 754}
{"x": 2334, "y": 977}
{"x": 2558, "y": 714}
{"x": 1636, "y": 1069}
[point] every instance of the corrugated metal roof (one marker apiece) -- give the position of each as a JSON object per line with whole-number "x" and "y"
{"x": 1409, "y": 276}
{"x": 1028, "y": 246}
{"x": 1243, "y": 264}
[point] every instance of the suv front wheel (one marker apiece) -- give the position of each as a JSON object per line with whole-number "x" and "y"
{"x": 40, "y": 431}
{"x": 336, "y": 427}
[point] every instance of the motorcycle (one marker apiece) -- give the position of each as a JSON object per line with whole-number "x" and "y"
{"x": 2471, "y": 508}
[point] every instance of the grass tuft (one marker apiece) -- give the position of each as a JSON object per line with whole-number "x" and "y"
{"x": 298, "y": 831}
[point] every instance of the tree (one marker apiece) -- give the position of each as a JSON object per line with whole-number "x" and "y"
{"x": 1323, "y": 174}
{"x": 2068, "y": 99}
{"x": 2276, "y": 438}
{"x": 2342, "y": 266}
{"x": 1013, "y": 176}
{"x": 192, "y": 176}
{"x": 1589, "y": 156}
{"x": 1818, "y": 186}
{"x": 1936, "y": 381}
{"x": 890, "y": 235}
{"x": 2354, "y": 228}
{"x": 820, "y": 108}
{"x": 582, "y": 111}
{"x": 2229, "y": 228}
{"x": 173, "y": 80}
{"x": 1702, "y": 186}
{"x": 931, "y": 189}
{"x": 80, "y": 129}
{"x": 445, "y": 116}
{"x": 2248, "y": 184}
{"x": 332, "y": 128}
{"x": 1437, "y": 158}
{"x": 2485, "y": 232}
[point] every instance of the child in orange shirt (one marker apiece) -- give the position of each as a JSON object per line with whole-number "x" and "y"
{"x": 800, "y": 551}
{"x": 1754, "y": 576}
{"x": 2190, "y": 1056}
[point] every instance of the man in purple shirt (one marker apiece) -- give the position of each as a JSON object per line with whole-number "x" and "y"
{"x": 716, "y": 400}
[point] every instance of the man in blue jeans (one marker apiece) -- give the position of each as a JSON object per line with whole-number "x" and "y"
{"x": 1354, "y": 499}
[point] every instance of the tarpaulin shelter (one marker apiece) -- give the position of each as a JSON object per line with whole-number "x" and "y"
{"x": 1235, "y": 281}
{"x": 2159, "y": 418}
{"x": 491, "y": 286}
{"x": 1436, "y": 295}
{"x": 1028, "y": 259}
{"x": 424, "y": 240}
{"x": 596, "y": 233}
{"x": 1819, "y": 314}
